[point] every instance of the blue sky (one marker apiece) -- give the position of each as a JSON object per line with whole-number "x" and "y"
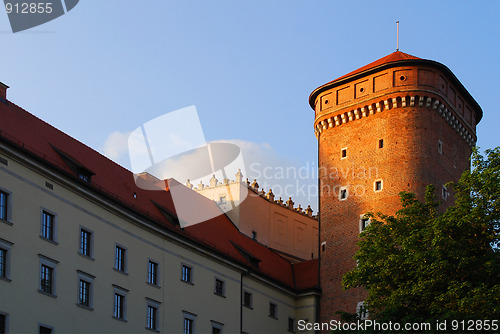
{"x": 106, "y": 67}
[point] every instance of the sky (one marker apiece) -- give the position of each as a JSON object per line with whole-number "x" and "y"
{"x": 106, "y": 67}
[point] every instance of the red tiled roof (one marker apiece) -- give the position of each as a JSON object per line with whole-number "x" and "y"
{"x": 39, "y": 139}
{"x": 306, "y": 274}
{"x": 391, "y": 58}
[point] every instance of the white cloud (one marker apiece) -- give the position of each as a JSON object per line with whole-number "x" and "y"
{"x": 116, "y": 148}
{"x": 284, "y": 176}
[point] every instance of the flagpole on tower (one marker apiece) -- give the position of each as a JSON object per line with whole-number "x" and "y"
{"x": 397, "y": 36}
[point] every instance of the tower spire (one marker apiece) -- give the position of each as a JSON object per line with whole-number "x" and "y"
{"x": 397, "y": 36}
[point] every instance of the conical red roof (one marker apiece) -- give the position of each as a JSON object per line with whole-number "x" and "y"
{"x": 393, "y": 57}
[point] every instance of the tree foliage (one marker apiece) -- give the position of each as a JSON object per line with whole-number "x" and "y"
{"x": 427, "y": 265}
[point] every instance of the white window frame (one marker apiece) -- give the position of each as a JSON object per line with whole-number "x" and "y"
{"x": 346, "y": 193}
{"x": 51, "y": 263}
{"x": 118, "y": 290}
{"x": 362, "y": 218}
{"x": 381, "y": 185}
{"x": 83, "y": 276}
{"x": 359, "y": 308}
{"x": 444, "y": 193}
{"x": 54, "y": 227}
{"x": 342, "y": 150}
{"x": 6, "y": 246}
{"x": 156, "y": 305}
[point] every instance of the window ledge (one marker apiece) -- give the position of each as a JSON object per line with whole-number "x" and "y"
{"x": 119, "y": 319}
{"x": 187, "y": 282}
{"x": 153, "y": 285}
{"x": 6, "y": 222}
{"x": 152, "y": 330}
{"x": 85, "y": 307}
{"x": 120, "y": 271}
{"x": 47, "y": 294}
{"x": 218, "y": 294}
{"x": 86, "y": 256}
{"x": 249, "y": 307}
{"x": 273, "y": 317}
{"x": 6, "y": 279}
{"x": 49, "y": 240}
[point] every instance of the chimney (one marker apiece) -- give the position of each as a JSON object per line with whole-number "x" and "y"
{"x": 3, "y": 91}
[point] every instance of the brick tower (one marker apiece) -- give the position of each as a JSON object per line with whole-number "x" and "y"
{"x": 397, "y": 124}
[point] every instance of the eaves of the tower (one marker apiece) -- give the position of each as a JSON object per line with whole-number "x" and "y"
{"x": 395, "y": 59}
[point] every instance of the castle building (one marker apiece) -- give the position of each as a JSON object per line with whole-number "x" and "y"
{"x": 397, "y": 124}
{"x": 84, "y": 249}
{"x": 289, "y": 231}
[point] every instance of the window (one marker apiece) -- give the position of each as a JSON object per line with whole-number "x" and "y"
{"x": 247, "y": 299}
{"x": 273, "y": 310}
{"x": 254, "y": 235}
{"x": 343, "y": 153}
{"x": 323, "y": 246}
{"x": 46, "y": 279}
{"x": 3, "y": 323}
{"x": 377, "y": 186}
{"x": 43, "y": 329}
{"x": 85, "y": 290}
{"x": 5, "y": 259}
{"x": 48, "y": 225}
{"x": 4, "y": 197}
{"x": 47, "y": 276}
{"x": 84, "y": 293}
{"x": 152, "y": 272}
{"x": 153, "y": 315}
{"x": 187, "y": 274}
{"x": 188, "y": 322}
{"x": 440, "y": 147}
{"x": 188, "y": 326}
{"x": 85, "y": 242}
{"x": 216, "y": 327}
{"x": 343, "y": 193}
{"x": 119, "y": 303}
{"x": 380, "y": 143}
{"x": 291, "y": 325}
{"x": 120, "y": 262}
{"x": 222, "y": 199}
{"x": 363, "y": 223}
{"x": 219, "y": 287}
{"x": 444, "y": 193}
{"x": 362, "y": 311}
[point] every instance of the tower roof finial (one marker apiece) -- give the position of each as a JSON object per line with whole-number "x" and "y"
{"x": 397, "y": 36}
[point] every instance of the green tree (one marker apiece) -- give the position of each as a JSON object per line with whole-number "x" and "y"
{"x": 423, "y": 265}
